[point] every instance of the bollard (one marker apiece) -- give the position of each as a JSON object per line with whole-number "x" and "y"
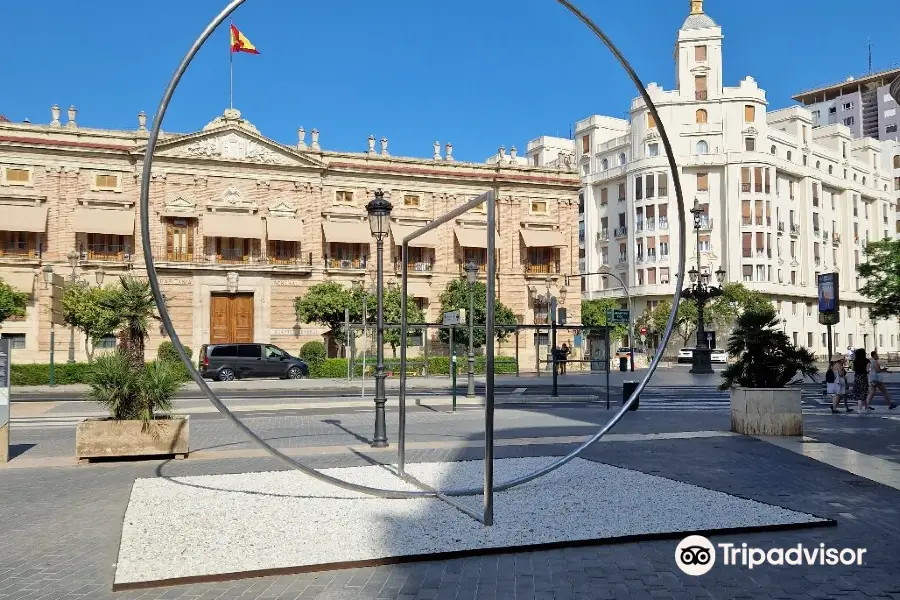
{"x": 453, "y": 378}
{"x": 628, "y": 388}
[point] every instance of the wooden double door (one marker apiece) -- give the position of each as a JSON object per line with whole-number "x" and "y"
{"x": 231, "y": 318}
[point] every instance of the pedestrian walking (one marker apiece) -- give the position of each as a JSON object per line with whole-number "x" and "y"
{"x": 876, "y": 382}
{"x": 564, "y": 357}
{"x": 836, "y": 384}
{"x": 861, "y": 380}
{"x": 849, "y": 355}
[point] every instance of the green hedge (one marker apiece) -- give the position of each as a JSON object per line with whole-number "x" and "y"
{"x": 437, "y": 365}
{"x": 38, "y": 374}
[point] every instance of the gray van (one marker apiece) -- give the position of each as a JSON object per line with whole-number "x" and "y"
{"x": 226, "y": 362}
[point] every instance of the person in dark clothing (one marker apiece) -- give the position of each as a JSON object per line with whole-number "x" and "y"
{"x": 861, "y": 379}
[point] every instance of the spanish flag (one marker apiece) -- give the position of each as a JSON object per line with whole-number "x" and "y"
{"x": 240, "y": 43}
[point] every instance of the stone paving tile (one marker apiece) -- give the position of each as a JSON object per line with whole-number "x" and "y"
{"x": 62, "y": 529}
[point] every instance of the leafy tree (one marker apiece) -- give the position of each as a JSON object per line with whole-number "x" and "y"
{"x": 685, "y": 319}
{"x": 593, "y": 314}
{"x": 133, "y": 304}
{"x": 90, "y": 309}
{"x": 12, "y": 302}
{"x": 392, "y": 298}
{"x": 325, "y": 303}
{"x": 766, "y": 358}
{"x": 736, "y": 299}
{"x": 456, "y": 296}
{"x": 882, "y": 273}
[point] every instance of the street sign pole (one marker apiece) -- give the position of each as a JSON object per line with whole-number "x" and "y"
{"x": 4, "y": 399}
{"x": 52, "y": 347}
{"x": 607, "y": 364}
{"x": 453, "y": 367}
{"x": 555, "y": 391}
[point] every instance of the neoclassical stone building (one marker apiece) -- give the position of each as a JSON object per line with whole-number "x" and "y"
{"x": 241, "y": 225}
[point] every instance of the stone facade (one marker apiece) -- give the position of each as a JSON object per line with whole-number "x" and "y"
{"x": 233, "y": 211}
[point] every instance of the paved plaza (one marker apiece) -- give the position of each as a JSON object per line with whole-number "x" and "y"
{"x": 63, "y": 523}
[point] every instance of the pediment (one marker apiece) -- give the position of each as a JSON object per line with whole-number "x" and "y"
{"x": 180, "y": 204}
{"x": 233, "y": 144}
{"x": 282, "y": 208}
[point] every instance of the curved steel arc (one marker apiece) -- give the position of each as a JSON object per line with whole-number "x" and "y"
{"x": 283, "y": 458}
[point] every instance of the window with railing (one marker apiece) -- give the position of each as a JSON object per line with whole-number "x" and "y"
{"x": 234, "y": 250}
{"x": 542, "y": 260}
{"x": 347, "y": 256}
{"x": 477, "y": 256}
{"x": 180, "y": 240}
{"x": 541, "y": 312}
{"x": 106, "y": 246}
{"x": 283, "y": 252}
{"x": 418, "y": 260}
{"x": 22, "y": 244}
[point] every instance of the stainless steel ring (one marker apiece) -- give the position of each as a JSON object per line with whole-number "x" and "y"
{"x": 288, "y": 461}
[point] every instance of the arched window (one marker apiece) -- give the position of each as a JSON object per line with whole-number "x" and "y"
{"x": 773, "y": 150}
{"x": 831, "y": 169}
{"x": 622, "y": 159}
{"x": 789, "y": 155}
{"x": 702, "y": 147}
{"x": 702, "y": 115}
{"x": 605, "y": 164}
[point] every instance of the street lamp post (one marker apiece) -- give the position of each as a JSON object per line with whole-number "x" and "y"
{"x": 701, "y": 292}
{"x": 100, "y": 275}
{"x": 379, "y": 211}
{"x": 471, "y": 274}
{"x": 72, "y": 256}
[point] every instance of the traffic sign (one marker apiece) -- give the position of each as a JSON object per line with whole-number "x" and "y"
{"x": 618, "y": 317}
{"x": 643, "y": 332}
{"x": 643, "y": 338}
{"x": 455, "y": 317}
{"x": 57, "y": 289}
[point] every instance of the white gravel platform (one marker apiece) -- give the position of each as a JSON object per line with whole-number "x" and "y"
{"x": 239, "y": 525}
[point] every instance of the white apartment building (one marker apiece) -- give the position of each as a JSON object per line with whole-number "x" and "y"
{"x": 782, "y": 202}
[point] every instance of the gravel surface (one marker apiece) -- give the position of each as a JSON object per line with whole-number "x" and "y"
{"x": 217, "y": 524}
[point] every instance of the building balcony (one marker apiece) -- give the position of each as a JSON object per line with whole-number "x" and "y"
{"x": 664, "y": 258}
{"x": 700, "y": 95}
{"x": 623, "y": 260}
{"x": 603, "y": 235}
{"x": 795, "y": 230}
{"x": 817, "y": 261}
{"x": 346, "y": 264}
{"x": 780, "y": 226}
{"x": 745, "y": 188}
{"x": 19, "y": 255}
{"x": 547, "y": 268}
{"x": 639, "y": 259}
{"x": 824, "y": 235}
{"x": 662, "y": 191}
{"x": 604, "y": 261}
{"x": 836, "y": 239}
{"x": 182, "y": 258}
{"x": 746, "y": 221}
{"x": 651, "y": 258}
{"x": 106, "y": 253}
{"x": 621, "y": 231}
{"x": 706, "y": 222}
{"x": 663, "y": 223}
{"x": 415, "y": 268}
{"x": 622, "y": 199}
{"x": 482, "y": 268}
{"x": 650, "y": 224}
{"x": 639, "y": 225}
{"x": 817, "y": 231}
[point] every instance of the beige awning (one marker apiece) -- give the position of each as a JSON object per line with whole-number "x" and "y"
{"x": 98, "y": 220}
{"x": 473, "y": 238}
{"x": 429, "y": 240}
{"x": 23, "y": 218}
{"x": 232, "y": 226}
{"x": 418, "y": 289}
{"x": 22, "y": 281}
{"x": 347, "y": 232}
{"x": 286, "y": 230}
{"x": 542, "y": 238}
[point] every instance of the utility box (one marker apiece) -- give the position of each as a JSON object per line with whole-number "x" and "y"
{"x": 628, "y": 388}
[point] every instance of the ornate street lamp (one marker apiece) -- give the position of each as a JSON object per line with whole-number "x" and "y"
{"x": 379, "y": 211}
{"x": 471, "y": 275}
{"x": 702, "y": 292}
{"x": 100, "y": 274}
{"x": 72, "y": 257}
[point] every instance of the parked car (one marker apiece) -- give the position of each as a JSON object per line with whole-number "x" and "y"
{"x": 719, "y": 356}
{"x": 685, "y": 355}
{"x": 226, "y": 362}
{"x": 626, "y": 352}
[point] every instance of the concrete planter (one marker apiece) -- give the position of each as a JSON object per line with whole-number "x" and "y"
{"x": 766, "y": 411}
{"x": 108, "y": 438}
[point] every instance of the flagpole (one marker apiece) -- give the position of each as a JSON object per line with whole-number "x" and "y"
{"x": 230, "y": 69}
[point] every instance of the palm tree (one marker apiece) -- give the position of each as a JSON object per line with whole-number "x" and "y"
{"x": 134, "y": 305}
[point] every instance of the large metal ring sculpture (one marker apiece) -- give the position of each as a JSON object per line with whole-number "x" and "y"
{"x": 288, "y": 461}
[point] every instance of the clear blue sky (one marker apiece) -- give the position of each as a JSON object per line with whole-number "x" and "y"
{"x": 478, "y": 73}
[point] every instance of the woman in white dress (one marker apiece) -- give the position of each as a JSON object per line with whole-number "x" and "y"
{"x": 876, "y": 382}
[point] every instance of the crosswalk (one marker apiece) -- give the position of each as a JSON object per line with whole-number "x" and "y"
{"x": 48, "y": 422}
{"x": 680, "y": 399}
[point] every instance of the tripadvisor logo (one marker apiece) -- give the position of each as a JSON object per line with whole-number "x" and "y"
{"x": 695, "y": 555}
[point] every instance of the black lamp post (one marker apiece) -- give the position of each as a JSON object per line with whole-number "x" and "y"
{"x": 379, "y": 211}
{"x": 471, "y": 275}
{"x": 701, "y": 292}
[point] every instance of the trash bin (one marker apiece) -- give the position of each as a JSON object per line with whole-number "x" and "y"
{"x": 623, "y": 363}
{"x": 628, "y": 388}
